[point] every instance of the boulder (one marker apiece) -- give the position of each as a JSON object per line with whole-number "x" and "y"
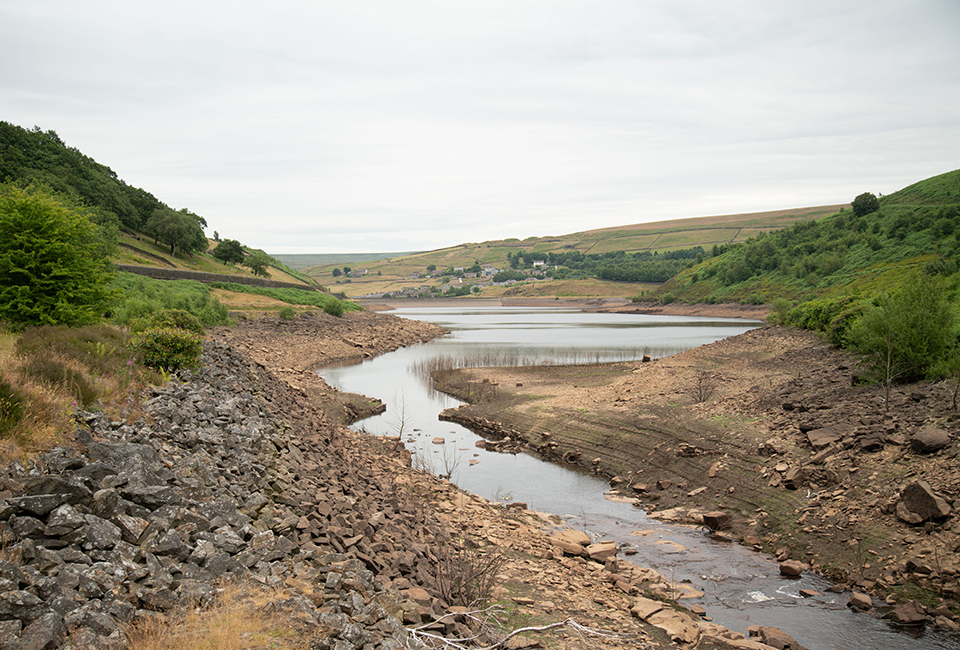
{"x": 716, "y": 520}
{"x": 826, "y": 436}
{"x": 859, "y": 601}
{"x": 602, "y": 551}
{"x": 928, "y": 440}
{"x": 918, "y": 503}
{"x": 681, "y": 627}
{"x": 643, "y": 608}
{"x": 794, "y": 478}
{"x": 909, "y": 613}
{"x": 777, "y": 638}
{"x": 792, "y": 568}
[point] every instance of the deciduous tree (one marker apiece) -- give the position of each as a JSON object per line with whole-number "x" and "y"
{"x": 865, "y": 204}
{"x": 53, "y": 261}
{"x": 181, "y": 230}
{"x": 904, "y": 335}
{"x": 258, "y": 263}
{"x": 229, "y": 250}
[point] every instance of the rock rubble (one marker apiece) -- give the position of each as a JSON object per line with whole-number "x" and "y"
{"x": 211, "y": 485}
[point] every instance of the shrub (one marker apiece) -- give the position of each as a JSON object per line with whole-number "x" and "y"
{"x": 168, "y": 348}
{"x": 334, "y": 307}
{"x": 905, "y": 334}
{"x": 779, "y": 309}
{"x": 287, "y": 312}
{"x": 168, "y": 318}
{"x": 667, "y": 298}
{"x": 11, "y": 407}
{"x": 54, "y": 371}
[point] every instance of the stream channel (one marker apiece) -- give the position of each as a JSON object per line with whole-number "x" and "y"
{"x": 741, "y": 587}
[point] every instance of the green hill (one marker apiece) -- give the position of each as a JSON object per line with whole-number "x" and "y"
{"x": 33, "y": 156}
{"x": 838, "y": 255}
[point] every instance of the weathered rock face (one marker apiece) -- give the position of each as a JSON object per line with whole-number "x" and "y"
{"x": 148, "y": 517}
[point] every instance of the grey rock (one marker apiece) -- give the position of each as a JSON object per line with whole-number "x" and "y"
{"x": 22, "y": 605}
{"x": 45, "y": 633}
{"x": 64, "y": 519}
{"x": 98, "y": 534}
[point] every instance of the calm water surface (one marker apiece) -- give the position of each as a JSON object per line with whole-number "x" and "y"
{"x": 741, "y": 587}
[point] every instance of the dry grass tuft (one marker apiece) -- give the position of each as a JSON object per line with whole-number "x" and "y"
{"x": 47, "y": 373}
{"x": 239, "y": 618}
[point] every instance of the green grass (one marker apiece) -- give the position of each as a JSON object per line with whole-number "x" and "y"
{"x": 139, "y": 296}
{"x": 326, "y": 302}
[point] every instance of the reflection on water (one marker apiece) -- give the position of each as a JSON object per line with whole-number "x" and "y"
{"x": 741, "y": 587}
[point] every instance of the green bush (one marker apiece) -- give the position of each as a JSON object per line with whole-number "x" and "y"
{"x": 667, "y": 298}
{"x": 168, "y": 318}
{"x": 779, "y": 309}
{"x": 53, "y": 263}
{"x": 287, "y": 313}
{"x": 168, "y": 348}
{"x": 334, "y": 307}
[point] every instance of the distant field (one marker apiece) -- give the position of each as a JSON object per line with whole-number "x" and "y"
{"x": 389, "y": 272}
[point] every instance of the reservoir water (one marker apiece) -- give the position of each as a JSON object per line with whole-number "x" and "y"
{"x": 741, "y": 587}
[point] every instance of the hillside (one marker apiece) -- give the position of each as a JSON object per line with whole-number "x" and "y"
{"x": 847, "y": 253}
{"x": 643, "y": 243}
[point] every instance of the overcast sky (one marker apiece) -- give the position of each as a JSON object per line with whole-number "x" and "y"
{"x": 363, "y": 126}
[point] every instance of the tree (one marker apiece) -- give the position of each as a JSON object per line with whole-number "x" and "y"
{"x": 337, "y": 273}
{"x": 179, "y": 229}
{"x": 229, "y": 250}
{"x": 906, "y": 334}
{"x": 258, "y": 263}
{"x": 865, "y": 203}
{"x": 53, "y": 261}
{"x": 431, "y": 267}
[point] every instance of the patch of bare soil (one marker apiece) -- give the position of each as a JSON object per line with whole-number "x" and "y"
{"x": 769, "y": 427}
{"x": 721, "y": 310}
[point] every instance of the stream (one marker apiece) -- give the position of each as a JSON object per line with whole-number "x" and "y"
{"x": 741, "y": 587}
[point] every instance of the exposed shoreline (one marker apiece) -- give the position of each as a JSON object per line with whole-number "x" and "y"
{"x": 612, "y": 305}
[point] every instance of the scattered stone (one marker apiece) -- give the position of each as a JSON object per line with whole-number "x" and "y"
{"x": 602, "y": 551}
{"x": 716, "y": 520}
